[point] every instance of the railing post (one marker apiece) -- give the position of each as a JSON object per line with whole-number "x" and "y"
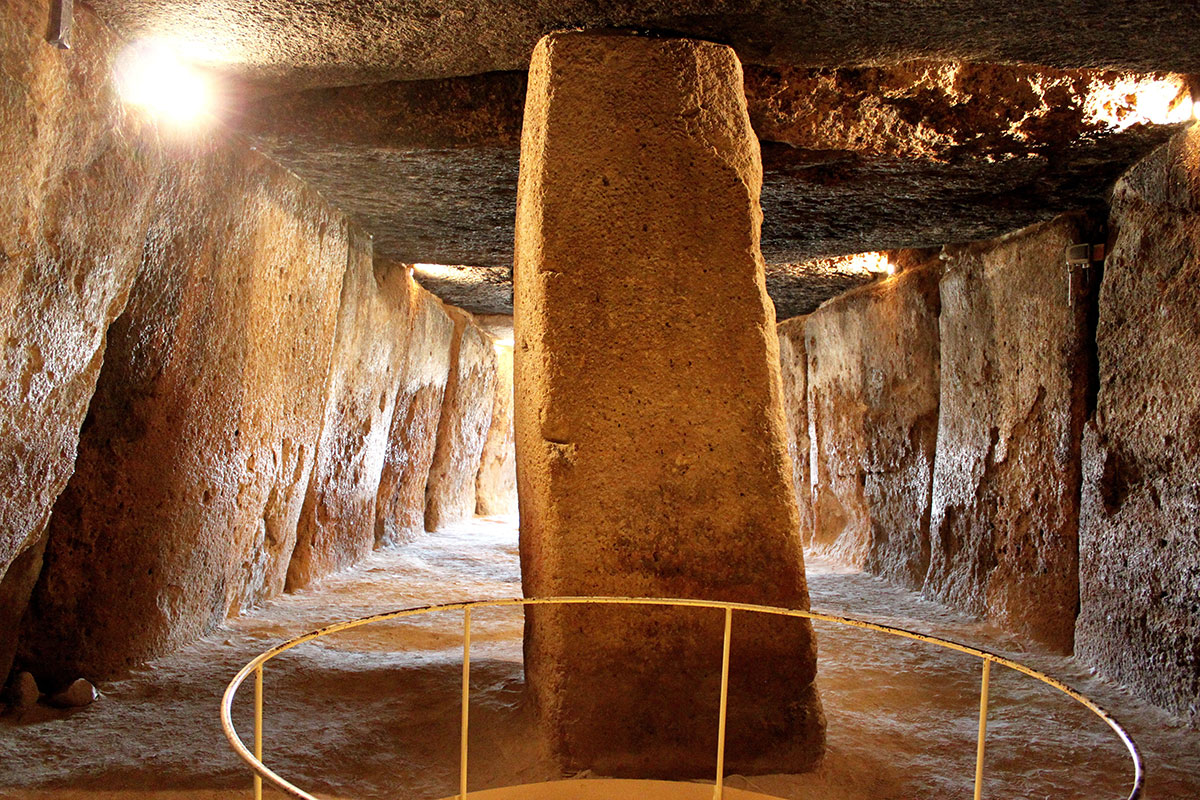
{"x": 983, "y": 712}
{"x": 466, "y": 691}
{"x": 719, "y": 789}
{"x": 258, "y": 727}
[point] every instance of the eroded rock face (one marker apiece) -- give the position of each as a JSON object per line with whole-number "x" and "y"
{"x": 400, "y": 507}
{"x": 370, "y": 353}
{"x": 1014, "y": 380}
{"x": 196, "y": 451}
{"x": 463, "y": 427}
{"x": 950, "y": 110}
{"x": 496, "y": 484}
{"x": 78, "y": 174}
{"x": 898, "y": 155}
{"x": 339, "y": 42}
{"x": 1139, "y": 545}
{"x": 793, "y": 367}
{"x": 651, "y": 439}
{"x": 873, "y": 372}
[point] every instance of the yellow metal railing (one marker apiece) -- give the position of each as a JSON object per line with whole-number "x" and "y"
{"x": 255, "y": 667}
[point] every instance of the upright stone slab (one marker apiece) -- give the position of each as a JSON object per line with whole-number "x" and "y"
{"x": 1139, "y": 538}
{"x": 463, "y": 426}
{"x": 198, "y": 443}
{"x": 793, "y": 367}
{"x": 1004, "y": 525}
{"x": 496, "y": 484}
{"x": 400, "y": 506}
{"x": 337, "y": 523}
{"x": 652, "y": 450}
{"x": 78, "y": 172}
{"x": 873, "y": 411}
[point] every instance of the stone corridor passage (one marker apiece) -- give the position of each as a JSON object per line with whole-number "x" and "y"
{"x": 373, "y": 713}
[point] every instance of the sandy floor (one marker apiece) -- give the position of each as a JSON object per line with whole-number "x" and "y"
{"x": 373, "y": 713}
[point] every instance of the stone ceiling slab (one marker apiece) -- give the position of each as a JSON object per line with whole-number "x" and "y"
{"x": 285, "y": 43}
{"x": 859, "y": 159}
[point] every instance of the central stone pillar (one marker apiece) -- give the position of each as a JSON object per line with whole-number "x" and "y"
{"x": 652, "y": 452}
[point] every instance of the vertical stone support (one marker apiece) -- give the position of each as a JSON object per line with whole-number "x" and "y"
{"x": 198, "y": 443}
{"x": 78, "y": 175}
{"x": 1005, "y": 516}
{"x": 793, "y": 367}
{"x": 463, "y": 426}
{"x": 873, "y": 411}
{"x": 1139, "y": 538}
{"x": 400, "y": 506}
{"x": 652, "y": 450}
{"x": 337, "y": 524}
{"x": 496, "y": 484}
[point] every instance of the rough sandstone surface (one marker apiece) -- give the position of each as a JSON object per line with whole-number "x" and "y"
{"x": 873, "y": 367}
{"x": 463, "y": 427}
{"x": 651, "y": 441}
{"x": 1005, "y": 514}
{"x": 793, "y": 368}
{"x": 1139, "y": 548}
{"x": 496, "y": 484}
{"x": 855, "y": 158}
{"x": 400, "y": 506}
{"x": 340, "y": 42}
{"x": 196, "y": 451}
{"x": 78, "y": 175}
{"x": 370, "y": 353}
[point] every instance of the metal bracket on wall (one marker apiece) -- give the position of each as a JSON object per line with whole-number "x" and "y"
{"x": 62, "y": 16}
{"x": 1083, "y": 256}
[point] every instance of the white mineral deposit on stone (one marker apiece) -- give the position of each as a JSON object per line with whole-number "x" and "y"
{"x": 373, "y": 713}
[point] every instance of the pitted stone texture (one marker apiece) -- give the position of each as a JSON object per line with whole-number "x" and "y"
{"x": 339, "y": 42}
{"x": 78, "y": 174}
{"x": 1139, "y": 548}
{"x": 496, "y": 484}
{"x": 486, "y": 291}
{"x": 196, "y": 451}
{"x": 651, "y": 439}
{"x": 1005, "y": 515}
{"x": 915, "y": 154}
{"x": 798, "y": 289}
{"x": 793, "y": 368}
{"x": 400, "y": 507}
{"x": 873, "y": 366}
{"x": 370, "y": 352}
{"x": 951, "y": 110}
{"x": 463, "y": 426}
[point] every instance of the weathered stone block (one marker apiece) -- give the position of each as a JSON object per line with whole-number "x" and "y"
{"x": 496, "y": 484}
{"x": 400, "y": 507}
{"x": 370, "y": 353}
{"x": 793, "y": 367}
{"x": 1139, "y": 539}
{"x": 463, "y": 426}
{"x": 873, "y": 366}
{"x": 1005, "y": 515}
{"x": 197, "y": 447}
{"x": 652, "y": 451}
{"x": 78, "y": 173}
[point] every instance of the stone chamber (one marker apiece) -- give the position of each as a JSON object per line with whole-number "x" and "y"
{"x": 890, "y": 308}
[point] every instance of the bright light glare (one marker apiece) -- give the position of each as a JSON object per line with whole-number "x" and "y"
{"x": 872, "y": 263}
{"x": 437, "y": 271}
{"x": 1139, "y": 99}
{"x": 151, "y": 77}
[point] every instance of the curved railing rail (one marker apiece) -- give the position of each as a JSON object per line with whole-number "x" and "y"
{"x": 255, "y": 667}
